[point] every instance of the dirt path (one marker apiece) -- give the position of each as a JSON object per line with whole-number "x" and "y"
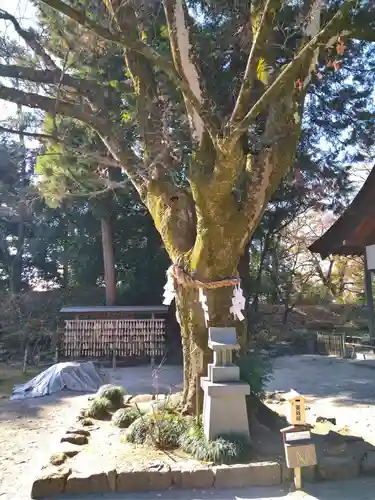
{"x": 29, "y": 432}
{"x": 333, "y": 387}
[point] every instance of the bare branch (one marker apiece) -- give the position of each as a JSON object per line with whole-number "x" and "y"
{"x": 264, "y": 28}
{"x": 50, "y": 105}
{"x": 331, "y": 31}
{"x": 30, "y": 38}
{"x": 182, "y": 52}
{"x": 35, "y": 135}
{"x": 54, "y": 77}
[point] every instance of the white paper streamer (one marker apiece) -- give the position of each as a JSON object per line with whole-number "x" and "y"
{"x": 203, "y": 301}
{"x": 169, "y": 291}
{"x": 238, "y": 303}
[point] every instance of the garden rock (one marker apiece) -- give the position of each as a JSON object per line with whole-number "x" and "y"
{"x": 69, "y": 449}
{"x": 58, "y": 458}
{"x": 87, "y": 422}
{"x": 51, "y": 481}
{"x": 80, "y": 431}
{"x": 74, "y": 439}
{"x": 337, "y": 468}
{"x": 142, "y": 398}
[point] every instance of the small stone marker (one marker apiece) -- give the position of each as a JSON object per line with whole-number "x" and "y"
{"x": 299, "y": 449}
{"x": 224, "y": 406}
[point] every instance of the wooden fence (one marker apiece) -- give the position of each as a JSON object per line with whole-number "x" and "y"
{"x": 331, "y": 344}
{"x": 121, "y": 338}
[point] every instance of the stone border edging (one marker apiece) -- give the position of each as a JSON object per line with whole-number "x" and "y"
{"x": 61, "y": 479}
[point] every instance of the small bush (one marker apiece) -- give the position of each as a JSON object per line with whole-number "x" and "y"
{"x": 115, "y": 394}
{"x": 163, "y": 430}
{"x": 138, "y": 430}
{"x": 256, "y": 370}
{"x": 99, "y": 408}
{"x": 223, "y": 450}
{"x": 124, "y": 417}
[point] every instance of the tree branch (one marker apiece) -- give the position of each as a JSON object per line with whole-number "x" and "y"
{"x": 182, "y": 53}
{"x": 265, "y": 25}
{"x": 291, "y": 70}
{"x": 124, "y": 38}
{"x": 30, "y": 38}
{"x": 52, "y": 106}
{"x": 54, "y": 77}
{"x": 35, "y": 135}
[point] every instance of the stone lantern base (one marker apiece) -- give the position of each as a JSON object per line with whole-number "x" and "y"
{"x": 224, "y": 408}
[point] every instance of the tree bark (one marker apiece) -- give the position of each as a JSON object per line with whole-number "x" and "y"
{"x": 194, "y": 335}
{"x": 109, "y": 261}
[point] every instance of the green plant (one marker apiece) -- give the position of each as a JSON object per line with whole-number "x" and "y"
{"x": 99, "y": 408}
{"x": 161, "y": 429}
{"x": 124, "y": 417}
{"x": 223, "y": 450}
{"x": 256, "y": 370}
{"x": 115, "y": 394}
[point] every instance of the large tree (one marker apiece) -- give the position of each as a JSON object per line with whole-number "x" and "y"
{"x": 236, "y": 148}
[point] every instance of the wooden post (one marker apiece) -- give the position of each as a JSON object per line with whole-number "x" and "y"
{"x": 197, "y": 389}
{"x": 109, "y": 261}
{"x": 24, "y": 367}
{"x": 369, "y": 298}
{"x": 297, "y": 478}
{"x": 113, "y": 356}
{"x": 153, "y": 344}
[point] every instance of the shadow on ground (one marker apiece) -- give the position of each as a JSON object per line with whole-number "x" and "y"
{"x": 32, "y": 408}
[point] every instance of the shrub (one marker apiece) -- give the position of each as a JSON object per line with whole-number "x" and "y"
{"x": 256, "y": 370}
{"x": 163, "y": 430}
{"x": 223, "y": 450}
{"x": 115, "y": 394}
{"x": 99, "y": 408}
{"x": 124, "y": 417}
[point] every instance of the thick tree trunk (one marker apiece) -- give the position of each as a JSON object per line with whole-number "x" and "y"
{"x": 109, "y": 261}
{"x": 194, "y": 335}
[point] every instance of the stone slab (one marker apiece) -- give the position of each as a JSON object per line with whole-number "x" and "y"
{"x": 80, "y": 482}
{"x": 367, "y": 465}
{"x": 51, "y": 481}
{"x": 337, "y": 468}
{"x": 143, "y": 480}
{"x": 197, "y": 477}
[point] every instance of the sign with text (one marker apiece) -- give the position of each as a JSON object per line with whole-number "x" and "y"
{"x": 301, "y": 455}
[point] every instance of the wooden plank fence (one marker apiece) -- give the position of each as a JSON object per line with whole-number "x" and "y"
{"x": 121, "y": 338}
{"x": 331, "y": 344}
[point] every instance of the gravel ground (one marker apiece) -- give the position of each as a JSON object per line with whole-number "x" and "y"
{"x": 346, "y": 490}
{"x": 30, "y": 430}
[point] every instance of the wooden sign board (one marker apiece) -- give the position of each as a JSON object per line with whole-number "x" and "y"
{"x": 301, "y": 455}
{"x": 296, "y": 413}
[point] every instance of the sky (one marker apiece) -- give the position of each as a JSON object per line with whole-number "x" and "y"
{"x": 23, "y": 10}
